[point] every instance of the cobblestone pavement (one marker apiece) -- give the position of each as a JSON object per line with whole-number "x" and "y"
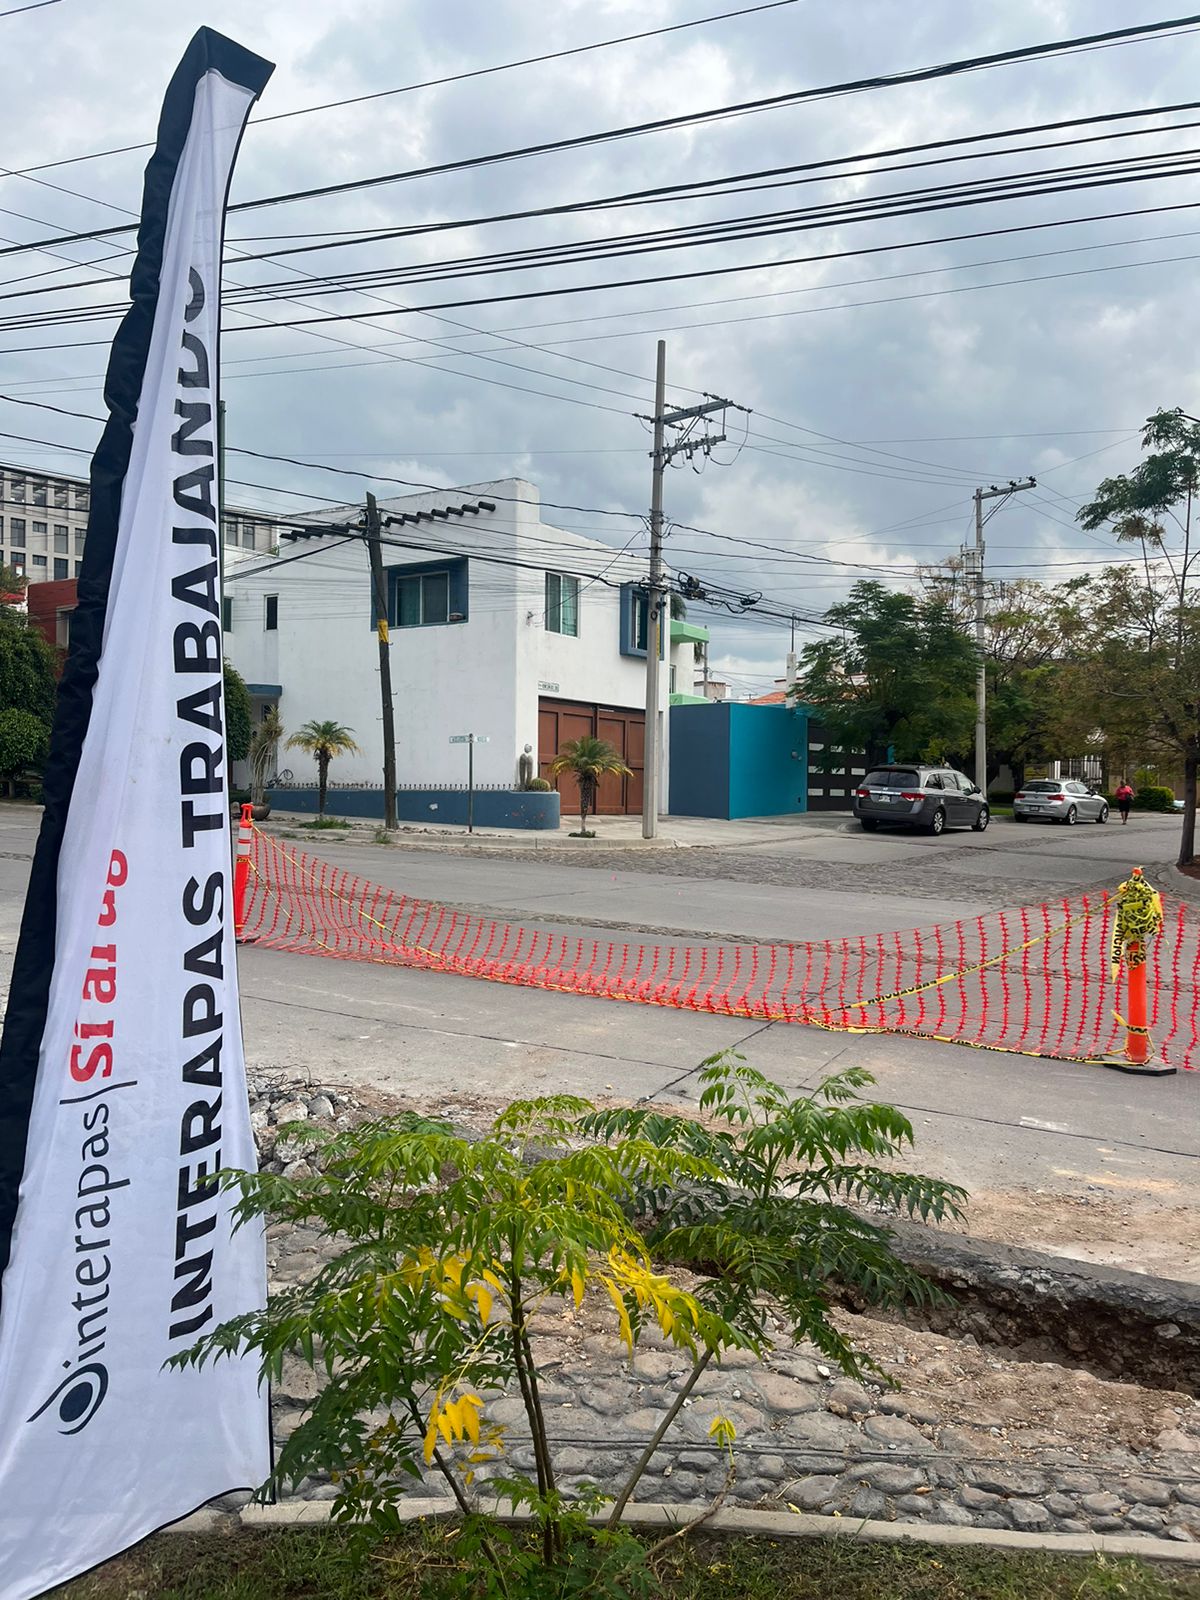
{"x": 789, "y": 871}
{"x": 973, "y": 1435}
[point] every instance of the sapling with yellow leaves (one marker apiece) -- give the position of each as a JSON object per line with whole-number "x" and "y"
{"x": 447, "y": 1247}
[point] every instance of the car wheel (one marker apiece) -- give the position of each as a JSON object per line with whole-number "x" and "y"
{"x": 938, "y": 823}
{"x": 868, "y": 824}
{"x": 1017, "y": 817}
{"x": 1072, "y": 817}
{"x": 982, "y": 820}
{"x": 1103, "y": 817}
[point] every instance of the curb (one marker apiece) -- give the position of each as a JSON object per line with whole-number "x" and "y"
{"x": 773, "y": 1524}
{"x": 1187, "y": 888}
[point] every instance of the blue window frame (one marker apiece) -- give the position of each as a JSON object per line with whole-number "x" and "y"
{"x": 635, "y": 622}
{"x": 427, "y": 594}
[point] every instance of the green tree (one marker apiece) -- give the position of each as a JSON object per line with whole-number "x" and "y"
{"x": 588, "y": 760}
{"x": 899, "y": 674}
{"x": 24, "y": 740}
{"x": 324, "y": 740}
{"x": 1150, "y": 652}
{"x": 28, "y": 668}
{"x": 237, "y": 715}
{"x": 448, "y": 1248}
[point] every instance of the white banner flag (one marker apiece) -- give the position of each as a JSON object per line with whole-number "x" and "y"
{"x": 122, "y": 1079}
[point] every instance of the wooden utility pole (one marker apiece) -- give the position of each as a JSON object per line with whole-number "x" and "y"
{"x": 380, "y": 601}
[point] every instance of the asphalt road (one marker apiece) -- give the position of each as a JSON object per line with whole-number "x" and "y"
{"x": 1003, "y": 1125}
{"x": 807, "y": 881}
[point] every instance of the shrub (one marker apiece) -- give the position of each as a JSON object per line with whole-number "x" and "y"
{"x": 24, "y": 741}
{"x": 1154, "y": 797}
{"x": 451, "y": 1245}
{"x": 237, "y": 715}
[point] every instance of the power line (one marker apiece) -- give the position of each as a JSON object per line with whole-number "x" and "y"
{"x": 429, "y": 83}
{"x": 764, "y": 225}
{"x": 720, "y": 188}
{"x": 36, "y": 6}
{"x": 707, "y": 272}
{"x": 1053, "y": 48}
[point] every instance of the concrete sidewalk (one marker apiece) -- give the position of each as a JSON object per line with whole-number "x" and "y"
{"x": 675, "y": 833}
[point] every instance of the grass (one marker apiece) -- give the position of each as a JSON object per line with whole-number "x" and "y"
{"x": 316, "y": 1565}
{"x": 319, "y": 823}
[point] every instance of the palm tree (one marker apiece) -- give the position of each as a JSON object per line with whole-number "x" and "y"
{"x": 588, "y": 759}
{"x": 264, "y": 748}
{"x": 324, "y": 740}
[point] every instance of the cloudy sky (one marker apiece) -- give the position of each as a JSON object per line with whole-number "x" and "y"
{"x": 883, "y": 386}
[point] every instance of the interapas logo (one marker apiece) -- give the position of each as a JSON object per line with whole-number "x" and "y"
{"x": 78, "y": 1397}
{"x": 80, "y": 1394}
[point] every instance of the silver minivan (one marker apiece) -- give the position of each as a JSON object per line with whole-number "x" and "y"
{"x": 916, "y": 796}
{"x": 1049, "y": 800}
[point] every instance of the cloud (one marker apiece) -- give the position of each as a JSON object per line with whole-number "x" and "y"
{"x": 883, "y": 386}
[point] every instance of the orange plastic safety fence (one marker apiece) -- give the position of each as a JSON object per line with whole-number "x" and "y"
{"x": 1035, "y": 981}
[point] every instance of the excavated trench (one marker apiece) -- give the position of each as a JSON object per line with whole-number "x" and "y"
{"x": 1034, "y": 1307}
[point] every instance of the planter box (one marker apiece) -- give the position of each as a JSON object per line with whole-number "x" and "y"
{"x": 494, "y": 808}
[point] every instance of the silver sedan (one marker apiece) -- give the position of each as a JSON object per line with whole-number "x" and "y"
{"x": 1052, "y": 800}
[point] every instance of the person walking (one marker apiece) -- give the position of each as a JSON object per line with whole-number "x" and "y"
{"x": 1124, "y": 800}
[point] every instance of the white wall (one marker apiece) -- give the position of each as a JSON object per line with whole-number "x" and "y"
{"x": 480, "y": 676}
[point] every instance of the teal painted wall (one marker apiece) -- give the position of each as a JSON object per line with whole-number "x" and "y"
{"x": 768, "y": 761}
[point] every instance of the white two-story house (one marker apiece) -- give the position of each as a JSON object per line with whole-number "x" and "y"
{"x": 500, "y": 625}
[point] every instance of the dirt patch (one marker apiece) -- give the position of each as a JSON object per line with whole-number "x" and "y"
{"x": 1137, "y": 1232}
{"x": 1028, "y": 1404}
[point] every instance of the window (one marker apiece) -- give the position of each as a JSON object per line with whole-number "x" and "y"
{"x": 641, "y": 621}
{"x": 40, "y": 527}
{"x": 62, "y": 539}
{"x": 272, "y": 619}
{"x": 18, "y": 489}
{"x": 18, "y": 565}
{"x": 562, "y": 604}
{"x": 39, "y": 493}
{"x": 672, "y": 688}
{"x": 891, "y": 778}
{"x": 60, "y": 569}
{"x": 60, "y": 497}
{"x": 934, "y": 781}
{"x": 248, "y": 541}
{"x": 227, "y": 613}
{"x": 423, "y": 599}
{"x": 79, "y": 536}
{"x": 16, "y": 532}
{"x": 231, "y": 530}
{"x": 78, "y": 568}
{"x": 62, "y": 627}
{"x": 82, "y": 499}
{"x": 39, "y": 561}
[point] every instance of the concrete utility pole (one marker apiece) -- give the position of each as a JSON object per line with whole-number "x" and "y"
{"x": 974, "y": 567}
{"x": 657, "y": 599}
{"x": 379, "y": 599}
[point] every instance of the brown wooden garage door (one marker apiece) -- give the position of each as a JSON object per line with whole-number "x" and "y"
{"x": 625, "y": 730}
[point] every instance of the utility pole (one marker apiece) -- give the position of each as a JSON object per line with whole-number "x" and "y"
{"x": 657, "y": 602}
{"x": 379, "y": 596}
{"x": 973, "y": 562}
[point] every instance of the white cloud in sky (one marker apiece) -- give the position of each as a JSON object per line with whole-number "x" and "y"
{"x": 933, "y": 388}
